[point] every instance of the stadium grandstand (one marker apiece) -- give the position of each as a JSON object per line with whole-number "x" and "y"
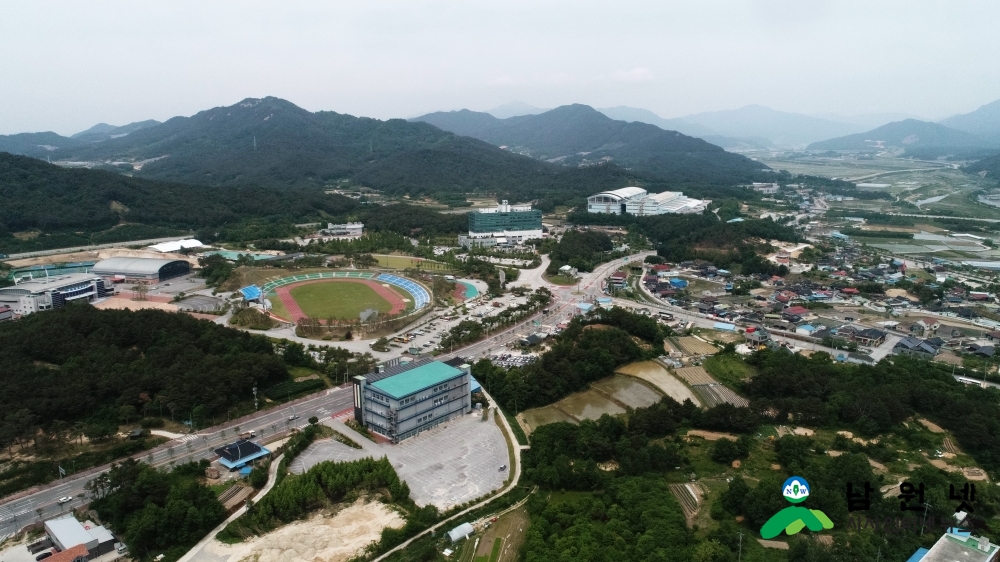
{"x": 421, "y": 297}
{"x": 140, "y": 270}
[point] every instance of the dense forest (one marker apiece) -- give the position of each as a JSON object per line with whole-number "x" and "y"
{"x": 103, "y": 368}
{"x": 816, "y": 392}
{"x": 588, "y": 350}
{"x": 83, "y": 206}
{"x": 154, "y": 511}
{"x": 729, "y": 245}
{"x": 582, "y": 249}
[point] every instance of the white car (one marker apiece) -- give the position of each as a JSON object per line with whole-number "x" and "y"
{"x": 65, "y": 499}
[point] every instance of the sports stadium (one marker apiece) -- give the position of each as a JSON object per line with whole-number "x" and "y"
{"x": 342, "y": 296}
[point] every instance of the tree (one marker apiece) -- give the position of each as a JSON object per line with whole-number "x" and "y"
{"x": 313, "y": 420}
{"x": 139, "y": 291}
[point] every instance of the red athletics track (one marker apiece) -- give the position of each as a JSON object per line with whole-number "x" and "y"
{"x": 295, "y": 311}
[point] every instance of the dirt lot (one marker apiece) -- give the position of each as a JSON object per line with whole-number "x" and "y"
{"x": 935, "y": 428}
{"x": 510, "y": 529}
{"x": 695, "y": 375}
{"x": 711, "y": 435}
{"x": 335, "y": 538}
{"x": 694, "y": 346}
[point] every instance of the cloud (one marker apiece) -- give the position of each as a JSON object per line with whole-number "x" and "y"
{"x": 633, "y": 76}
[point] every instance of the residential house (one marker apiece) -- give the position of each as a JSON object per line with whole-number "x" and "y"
{"x": 870, "y": 337}
{"x": 915, "y": 347}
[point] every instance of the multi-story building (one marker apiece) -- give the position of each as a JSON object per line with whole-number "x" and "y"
{"x": 347, "y": 230}
{"x": 401, "y": 400}
{"x": 46, "y": 293}
{"x": 503, "y": 225}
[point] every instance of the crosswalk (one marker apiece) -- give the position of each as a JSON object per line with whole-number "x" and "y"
{"x": 185, "y": 438}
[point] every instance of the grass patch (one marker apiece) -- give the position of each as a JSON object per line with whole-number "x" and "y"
{"x": 522, "y": 439}
{"x": 728, "y": 369}
{"x": 353, "y": 424}
{"x": 560, "y": 279}
{"x": 408, "y": 262}
{"x": 341, "y": 300}
{"x": 340, "y": 437}
{"x": 494, "y": 555}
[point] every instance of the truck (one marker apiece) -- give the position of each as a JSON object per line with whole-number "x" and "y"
{"x": 247, "y": 435}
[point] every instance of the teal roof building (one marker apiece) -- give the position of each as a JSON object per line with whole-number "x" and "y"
{"x": 400, "y": 400}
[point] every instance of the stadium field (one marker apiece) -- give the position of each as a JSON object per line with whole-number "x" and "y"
{"x": 341, "y": 299}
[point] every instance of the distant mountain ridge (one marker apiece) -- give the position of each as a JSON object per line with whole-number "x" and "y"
{"x": 274, "y": 143}
{"x": 578, "y": 135}
{"x": 983, "y": 122}
{"x": 103, "y": 131}
{"x": 921, "y": 138}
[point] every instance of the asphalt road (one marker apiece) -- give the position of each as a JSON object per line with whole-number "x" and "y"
{"x": 45, "y": 504}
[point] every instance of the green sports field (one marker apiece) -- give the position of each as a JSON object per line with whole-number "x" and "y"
{"x": 338, "y": 300}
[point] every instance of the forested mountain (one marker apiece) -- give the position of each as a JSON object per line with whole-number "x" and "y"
{"x": 103, "y": 131}
{"x": 983, "y": 122}
{"x": 37, "y": 145}
{"x": 50, "y": 200}
{"x": 919, "y": 138}
{"x": 989, "y": 166}
{"x": 579, "y": 135}
{"x": 273, "y": 143}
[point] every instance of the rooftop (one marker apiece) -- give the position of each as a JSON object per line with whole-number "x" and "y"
{"x": 415, "y": 380}
{"x": 967, "y": 548}
{"x": 43, "y": 284}
{"x": 69, "y": 532}
{"x": 137, "y": 266}
{"x": 238, "y": 453}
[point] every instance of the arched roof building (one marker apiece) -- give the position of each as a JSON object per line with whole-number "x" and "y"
{"x": 614, "y": 201}
{"x": 148, "y": 270}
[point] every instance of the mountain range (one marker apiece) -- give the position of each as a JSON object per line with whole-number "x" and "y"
{"x": 579, "y": 135}
{"x": 272, "y": 142}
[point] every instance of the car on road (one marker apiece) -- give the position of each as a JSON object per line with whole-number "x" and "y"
{"x": 503, "y": 467}
{"x": 293, "y": 417}
{"x": 65, "y": 499}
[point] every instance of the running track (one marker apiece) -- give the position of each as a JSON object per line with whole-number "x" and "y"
{"x": 295, "y": 311}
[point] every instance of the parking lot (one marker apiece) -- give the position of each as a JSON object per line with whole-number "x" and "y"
{"x": 444, "y": 466}
{"x": 201, "y": 303}
{"x": 508, "y": 360}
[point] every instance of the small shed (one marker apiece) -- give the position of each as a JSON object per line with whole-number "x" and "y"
{"x": 461, "y": 532}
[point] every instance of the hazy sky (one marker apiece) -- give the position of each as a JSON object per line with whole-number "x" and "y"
{"x": 66, "y": 65}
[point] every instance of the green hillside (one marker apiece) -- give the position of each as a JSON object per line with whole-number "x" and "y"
{"x": 61, "y": 207}
{"x": 989, "y": 166}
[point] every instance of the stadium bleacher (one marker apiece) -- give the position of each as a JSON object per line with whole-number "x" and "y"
{"x": 421, "y": 297}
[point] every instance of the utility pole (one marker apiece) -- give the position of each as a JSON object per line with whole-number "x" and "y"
{"x": 924, "y": 520}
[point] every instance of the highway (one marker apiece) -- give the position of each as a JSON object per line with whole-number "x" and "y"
{"x": 44, "y": 504}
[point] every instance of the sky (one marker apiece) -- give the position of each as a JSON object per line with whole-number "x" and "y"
{"x": 66, "y": 65}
